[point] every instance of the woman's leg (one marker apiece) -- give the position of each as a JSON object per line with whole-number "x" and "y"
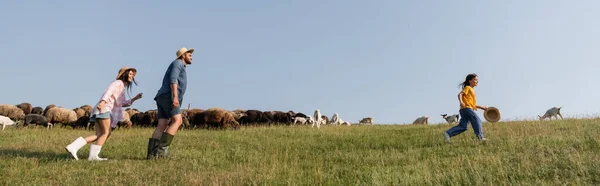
{"x": 104, "y": 125}
{"x": 93, "y": 138}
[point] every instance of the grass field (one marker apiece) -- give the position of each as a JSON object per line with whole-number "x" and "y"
{"x": 516, "y": 153}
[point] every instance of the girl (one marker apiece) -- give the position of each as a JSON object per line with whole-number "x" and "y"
{"x": 468, "y": 106}
{"x": 107, "y": 113}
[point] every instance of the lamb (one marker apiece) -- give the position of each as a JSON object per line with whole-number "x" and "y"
{"x": 37, "y": 110}
{"x": 422, "y": 120}
{"x": 66, "y": 117}
{"x": 451, "y": 119}
{"x": 552, "y": 112}
{"x": 6, "y": 121}
{"x": 318, "y": 118}
{"x": 26, "y": 107}
{"x": 11, "y": 111}
{"x": 367, "y": 120}
{"x": 36, "y": 119}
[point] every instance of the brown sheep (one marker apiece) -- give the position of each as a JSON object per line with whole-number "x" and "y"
{"x": 238, "y": 114}
{"x": 80, "y": 112}
{"x": 367, "y": 120}
{"x": 66, "y": 117}
{"x": 26, "y": 107}
{"x": 149, "y": 118}
{"x": 88, "y": 110}
{"x": 219, "y": 118}
{"x": 37, "y": 110}
{"x": 12, "y": 112}
{"x": 131, "y": 112}
{"x": 48, "y": 108}
{"x": 190, "y": 115}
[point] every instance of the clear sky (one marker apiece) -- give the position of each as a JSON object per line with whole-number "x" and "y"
{"x": 394, "y": 60}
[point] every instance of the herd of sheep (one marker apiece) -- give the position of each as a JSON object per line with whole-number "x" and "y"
{"x": 192, "y": 118}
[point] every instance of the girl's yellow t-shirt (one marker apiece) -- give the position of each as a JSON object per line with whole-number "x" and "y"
{"x": 468, "y": 98}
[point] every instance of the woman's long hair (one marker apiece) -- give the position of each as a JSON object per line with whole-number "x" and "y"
{"x": 125, "y": 78}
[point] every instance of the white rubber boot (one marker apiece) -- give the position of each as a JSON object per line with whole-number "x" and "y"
{"x": 75, "y": 146}
{"x": 94, "y": 151}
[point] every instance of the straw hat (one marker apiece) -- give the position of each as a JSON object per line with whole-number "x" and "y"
{"x": 492, "y": 114}
{"x": 124, "y": 69}
{"x": 182, "y": 51}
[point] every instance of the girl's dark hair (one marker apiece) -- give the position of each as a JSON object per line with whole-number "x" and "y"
{"x": 124, "y": 78}
{"x": 467, "y": 79}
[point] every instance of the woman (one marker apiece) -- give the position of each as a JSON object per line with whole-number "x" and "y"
{"x": 107, "y": 113}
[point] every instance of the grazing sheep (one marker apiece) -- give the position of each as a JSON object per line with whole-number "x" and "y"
{"x": 254, "y": 117}
{"x": 310, "y": 120}
{"x": 137, "y": 118}
{"x": 66, "y": 117}
{"x": 282, "y": 117}
{"x": 80, "y": 112}
{"x": 37, "y": 110}
{"x": 552, "y": 112}
{"x": 347, "y": 123}
{"x": 422, "y": 120}
{"x": 11, "y": 111}
{"x": 36, "y": 119}
{"x": 237, "y": 115}
{"x": 48, "y": 108}
{"x": 319, "y": 119}
{"x": 6, "y": 121}
{"x": 26, "y": 107}
{"x": 300, "y": 120}
{"x": 367, "y": 120}
{"x": 450, "y": 119}
{"x": 149, "y": 118}
{"x": 88, "y": 110}
{"x": 131, "y": 112}
{"x": 83, "y": 118}
{"x": 325, "y": 119}
{"x": 270, "y": 116}
{"x": 336, "y": 120}
{"x": 126, "y": 122}
{"x": 190, "y": 115}
{"x": 219, "y": 118}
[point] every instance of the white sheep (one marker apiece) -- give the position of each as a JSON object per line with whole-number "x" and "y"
{"x": 422, "y": 120}
{"x": 5, "y": 121}
{"x": 301, "y": 120}
{"x": 346, "y": 123}
{"x": 310, "y": 120}
{"x": 336, "y": 120}
{"x": 451, "y": 118}
{"x": 552, "y": 112}
{"x": 318, "y": 119}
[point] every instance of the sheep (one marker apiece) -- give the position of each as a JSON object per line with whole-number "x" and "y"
{"x": 149, "y": 118}
{"x": 88, "y": 110}
{"x": 367, "y": 120}
{"x": 131, "y": 112}
{"x": 254, "y": 117}
{"x": 237, "y": 114}
{"x": 11, "y": 111}
{"x": 319, "y": 119}
{"x": 80, "y": 112}
{"x": 190, "y": 115}
{"x": 217, "y": 117}
{"x": 552, "y": 112}
{"x": 282, "y": 117}
{"x": 48, "y": 108}
{"x": 422, "y": 120}
{"x": 346, "y": 123}
{"x": 300, "y": 120}
{"x": 37, "y": 110}
{"x": 450, "y": 119}
{"x": 310, "y": 120}
{"x": 336, "y": 120}
{"x": 6, "y": 121}
{"x": 126, "y": 121}
{"x": 66, "y": 117}
{"x": 36, "y": 119}
{"x": 300, "y": 114}
{"x": 26, "y": 107}
{"x": 325, "y": 119}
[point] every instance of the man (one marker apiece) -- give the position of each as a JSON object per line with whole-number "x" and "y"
{"x": 168, "y": 100}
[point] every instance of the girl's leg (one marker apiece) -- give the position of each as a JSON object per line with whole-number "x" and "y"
{"x": 476, "y": 124}
{"x": 462, "y": 124}
{"x": 80, "y": 142}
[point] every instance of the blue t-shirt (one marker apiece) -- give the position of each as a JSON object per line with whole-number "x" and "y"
{"x": 175, "y": 74}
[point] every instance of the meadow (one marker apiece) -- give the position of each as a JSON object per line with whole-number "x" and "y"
{"x": 517, "y": 153}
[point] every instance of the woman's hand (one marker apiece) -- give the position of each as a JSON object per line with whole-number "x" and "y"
{"x": 138, "y": 96}
{"x": 100, "y": 106}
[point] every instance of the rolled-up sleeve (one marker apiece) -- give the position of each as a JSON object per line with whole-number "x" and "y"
{"x": 125, "y": 102}
{"x": 175, "y": 71}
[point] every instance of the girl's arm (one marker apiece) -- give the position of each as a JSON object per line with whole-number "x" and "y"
{"x": 460, "y": 95}
{"x": 127, "y": 103}
{"x": 481, "y": 107}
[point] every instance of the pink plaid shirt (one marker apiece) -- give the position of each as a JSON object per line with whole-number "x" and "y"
{"x": 115, "y": 99}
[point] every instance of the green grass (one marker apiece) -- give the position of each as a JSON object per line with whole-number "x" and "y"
{"x": 516, "y": 153}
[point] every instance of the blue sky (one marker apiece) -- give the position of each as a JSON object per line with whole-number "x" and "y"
{"x": 392, "y": 60}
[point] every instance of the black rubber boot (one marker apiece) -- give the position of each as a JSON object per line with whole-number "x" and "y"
{"x": 152, "y": 144}
{"x": 162, "y": 150}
